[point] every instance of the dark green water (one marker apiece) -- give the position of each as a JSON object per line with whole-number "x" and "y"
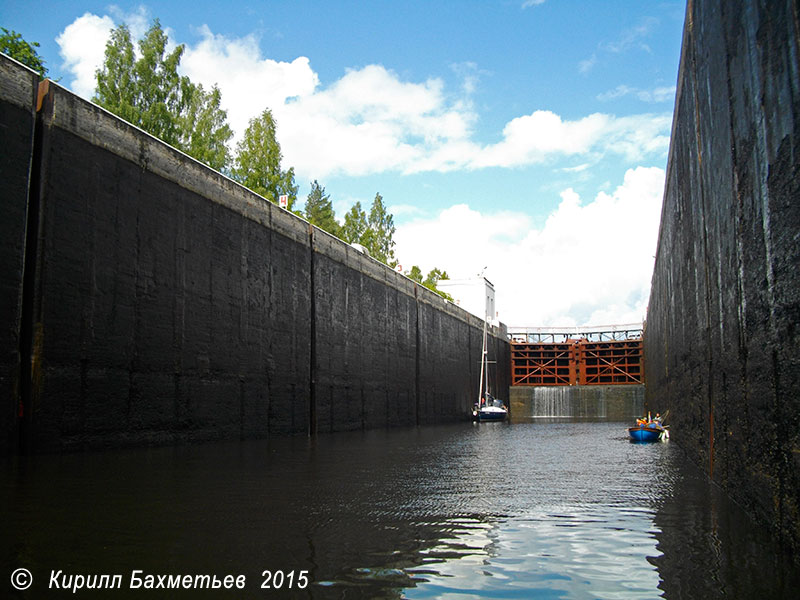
{"x": 498, "y": 510}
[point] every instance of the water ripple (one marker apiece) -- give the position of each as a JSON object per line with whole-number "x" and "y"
{"x": 556, "y": 510}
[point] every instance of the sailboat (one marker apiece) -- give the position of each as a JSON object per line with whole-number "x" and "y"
{"x": 487, "y": 408}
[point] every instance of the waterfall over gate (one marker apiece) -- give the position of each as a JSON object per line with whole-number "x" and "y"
{"x": 552, "y": 402}
{"x": 615, "y": 402}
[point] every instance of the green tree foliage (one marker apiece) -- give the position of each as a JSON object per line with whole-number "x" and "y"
{"x": 319, "y": 210}
{"x": 434, "y": 276}
{"x": 374, "y": 231}
{"x": 415, "y": 274}
{"x": 116, "y": 88}
{"x": 258, "y": 161}
{"x": 149, "y": 93}
{"x": 355, "y": 225}
{"x": 12, "y": 44}
{"x": 379, "y": 236}
{"x": 431, "y": 280}
{"x": 204, "y": 129}
{"x": 163, "y": 95}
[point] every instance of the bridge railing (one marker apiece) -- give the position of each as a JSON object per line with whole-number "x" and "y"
{"x": 554, "y": 335}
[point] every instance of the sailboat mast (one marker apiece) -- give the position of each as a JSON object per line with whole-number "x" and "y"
{"x": 486, "y": 363}
{"x": 484, "y": 375}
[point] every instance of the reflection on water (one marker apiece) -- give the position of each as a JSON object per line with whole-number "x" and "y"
{"x": 533, "y": 510}
{"x": 594, "y": 552}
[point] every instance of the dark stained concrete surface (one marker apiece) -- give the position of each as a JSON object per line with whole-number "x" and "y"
{"x": 17, "y": 116}
{"x": 165, "y": 303}
{"x": 722, "y": 339}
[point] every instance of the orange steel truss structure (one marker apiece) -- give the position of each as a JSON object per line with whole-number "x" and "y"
{"x": 577, "y": 362}
{"x": 543, "y": 364}
{"x": 606, "y": 363}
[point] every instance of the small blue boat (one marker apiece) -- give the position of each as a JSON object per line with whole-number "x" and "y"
{"x": 645, "y": 434}
{"x": 649, "y": 430}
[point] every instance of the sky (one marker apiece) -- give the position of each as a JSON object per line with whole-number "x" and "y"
{"x": 525, "y": 139}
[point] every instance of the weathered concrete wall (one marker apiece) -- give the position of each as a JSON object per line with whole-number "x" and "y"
{"x": 612, "y": 402}
{"x": 17, "y": 116}
{"x": 167, "y": 303}
{"x": 722, "y": 340}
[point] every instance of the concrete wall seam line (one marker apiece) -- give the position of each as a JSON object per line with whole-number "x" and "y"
{"x": 312, "y": 410}
{"x": 32, "y": 331}
{"x": 18, "y": 94}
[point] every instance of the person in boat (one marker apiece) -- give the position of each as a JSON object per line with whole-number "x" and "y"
{"x": 492, "y": 401}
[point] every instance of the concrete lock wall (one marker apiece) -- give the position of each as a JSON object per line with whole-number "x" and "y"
{"x": 166, "y": 303}
{"x": 722, "y": 340}
{"x": 17, "y": 115}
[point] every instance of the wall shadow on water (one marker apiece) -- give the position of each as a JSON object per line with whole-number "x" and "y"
{"x": 345, "y": 508}
{"x": 712, "y": 548}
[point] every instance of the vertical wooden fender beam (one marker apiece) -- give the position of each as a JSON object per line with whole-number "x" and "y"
{"x": 312, "y": 384}
{"x": 31, "y": 327}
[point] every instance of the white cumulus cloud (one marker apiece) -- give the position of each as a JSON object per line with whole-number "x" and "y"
{"x": 249, "y": 83}
{"x": 588, "y": 264}
{"x": 543, "y": 135}
{"x": 83, "y": 45}
{"x": 370, "y": 120}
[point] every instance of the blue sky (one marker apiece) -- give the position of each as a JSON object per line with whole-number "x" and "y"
{"x": 528, "y": 137}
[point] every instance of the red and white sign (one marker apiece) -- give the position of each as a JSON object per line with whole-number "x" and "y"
{"x": 283, "y": 201}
